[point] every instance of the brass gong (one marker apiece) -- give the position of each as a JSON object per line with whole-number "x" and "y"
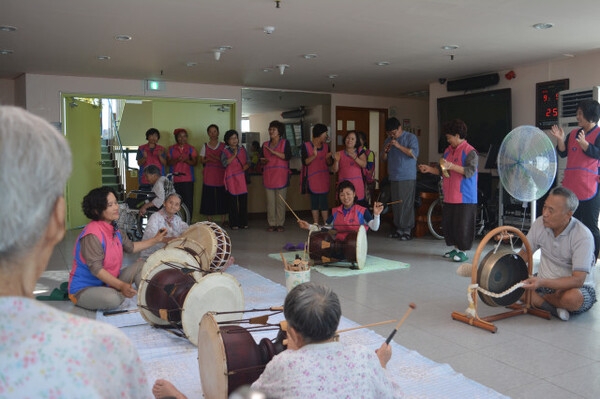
{"x": 498, "y": 272}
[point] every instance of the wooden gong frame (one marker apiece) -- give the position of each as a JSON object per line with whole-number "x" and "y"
{"x": 486, "y": 323}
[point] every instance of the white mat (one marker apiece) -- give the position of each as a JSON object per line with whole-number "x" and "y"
{"x": 167, "y": 356}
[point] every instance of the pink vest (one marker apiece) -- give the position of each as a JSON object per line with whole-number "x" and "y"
{"x": 351, "y": 171}
{"x": 318, "y": 171}
{"x": 457, "y": 188}
{"x": 350, "y": 222}
{"x": 214, "y": 172}
{"x": 235, "y": 178}
{"x": 581, "y": 173}
{"x": 188, "y": 170}
{"x": 276, "y": 171}
{"x": 151, "y": 159}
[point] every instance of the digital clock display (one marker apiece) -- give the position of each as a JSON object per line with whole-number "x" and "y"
{"x": 546, "y": 102}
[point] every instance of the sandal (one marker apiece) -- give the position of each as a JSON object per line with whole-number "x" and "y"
{"x": 270, "y": 229}
{"x": 280, "y": 229}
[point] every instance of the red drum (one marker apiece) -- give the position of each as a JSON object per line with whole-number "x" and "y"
{"x": 170, "y": 296}
{"x": 323, "y": 248}
{"x": 228, "y": 356}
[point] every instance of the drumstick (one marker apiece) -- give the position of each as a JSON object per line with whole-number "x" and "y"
{"x": 290, "y": 208}
{"x": 365, "y": 326}
{"x": 394, "y": 202}
{"x": 411, "y": 306}
{"x": 115, "y": 312}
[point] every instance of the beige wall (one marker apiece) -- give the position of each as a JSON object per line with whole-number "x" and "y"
{"x": 7, "y": 92}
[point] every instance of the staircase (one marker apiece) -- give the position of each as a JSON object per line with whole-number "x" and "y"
{"x": 110, "y": 172}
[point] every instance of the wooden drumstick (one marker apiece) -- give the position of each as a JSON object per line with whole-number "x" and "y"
{"x": 411, "y": 306}
{"x": 394, "y": 202}
{"x": 290, "y": 208}
{"x": 365, "y": 326}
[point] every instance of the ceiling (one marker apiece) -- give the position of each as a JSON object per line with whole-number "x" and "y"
{"x": 174, "y": 40}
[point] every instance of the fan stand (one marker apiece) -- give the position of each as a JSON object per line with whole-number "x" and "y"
{"x": 517, "y": 309}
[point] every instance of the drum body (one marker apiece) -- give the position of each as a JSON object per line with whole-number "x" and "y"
{"x": 498, "y": 272}
{"x": 228, "y": 357}
{"x": 169, "y": 296}
{"x": 323, "y": 248}
{"x": 320, "y": 246}
{"x": 176, "y": 257}
{"x": 214, "y": 239}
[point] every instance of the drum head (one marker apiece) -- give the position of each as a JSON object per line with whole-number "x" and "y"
{"x": 147, "y": 291}
{"x": 203, "y": 234}
{"x": 361, "y": 247}
{"x": 194, "y": 248}
{"x": 174, "y": 257}
{"x": 215, "y": 292}
{"x": 228, "y": 358}
{"x": 498, "y": 272}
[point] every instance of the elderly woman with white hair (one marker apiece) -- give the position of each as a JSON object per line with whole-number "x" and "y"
{"x": 44, "y": 351}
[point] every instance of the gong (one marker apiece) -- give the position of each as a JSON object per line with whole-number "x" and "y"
{"x": 499, "y": 271}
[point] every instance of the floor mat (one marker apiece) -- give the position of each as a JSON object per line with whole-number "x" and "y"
{"x": 167, "y": 356}
{"x": 374, "y": 264}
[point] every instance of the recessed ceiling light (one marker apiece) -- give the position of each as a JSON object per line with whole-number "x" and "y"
{"x": 569, "y": 55}
{"x": 123, "y": 38}
{"x": 6, "y": 52}
{"x": 309, "y": 56}
{"x": 332, "y": 76}
{"x": 103, "y": 57}
{"x": 450, "y": 47}
{"x": 267, "y": 70}
{"x": 191, "y": 64}
{"x": 269, "y": 29}
{"x": 382, "y": 63}
{"x": 224, "y": 48}
{"x": 543, "y": 25}
{"x": 7, "y": 28}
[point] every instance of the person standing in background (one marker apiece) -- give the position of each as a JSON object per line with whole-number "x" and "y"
{"x": 348, "y": 165}
{"x": 401, "y": 150}
{"x": 182, "y": 158}
{"x": 148, "y": 154}
{"x": 317, "y": 159}
{"x": 369, "y": 170}
{"x": 582, "y": 149}
{"x": 235, "y": 160}
{"x": 213, "y": 188}
{"x": 276, "y": 154}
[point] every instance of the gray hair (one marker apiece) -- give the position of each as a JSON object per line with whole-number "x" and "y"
{"x": 173, "y": 194}
{"x": 572, "y": 200}
{"x": 35, "y": 163}
{"x": 313, "y": 310}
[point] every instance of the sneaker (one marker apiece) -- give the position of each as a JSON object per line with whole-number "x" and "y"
{"x": 460, "y": 256}
{"x": 395, "y": 234}
{"x": 450, "y": 254}
{"x": 562, "y": 314}
{"x": 405, "y": 237}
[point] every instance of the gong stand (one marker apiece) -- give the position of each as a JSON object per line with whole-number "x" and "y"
{"x": 470, "y": 316}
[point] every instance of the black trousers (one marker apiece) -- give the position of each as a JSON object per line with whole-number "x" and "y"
{"x": 587, "y": 212}
{"x": 238, "y": 210}
{"x": 186, "y": 190}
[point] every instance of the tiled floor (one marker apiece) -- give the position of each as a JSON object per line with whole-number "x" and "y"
{"x": 527, "y": 357}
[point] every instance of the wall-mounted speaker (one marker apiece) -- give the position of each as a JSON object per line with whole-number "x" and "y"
{"x": 476, "y": 82}
{"x": 294, "y": 114}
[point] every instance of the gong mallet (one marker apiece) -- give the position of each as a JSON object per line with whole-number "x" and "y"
{"x": 289, "y": 207}
{"x": 411, "y": 306}
{"x": 394, "y": 202}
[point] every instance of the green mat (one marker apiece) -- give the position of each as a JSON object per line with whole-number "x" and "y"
{"x": 374, "y": 264}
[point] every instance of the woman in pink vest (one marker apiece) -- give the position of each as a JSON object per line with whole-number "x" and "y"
{"x": 96, "y": 280}
{"x": 460, "y": 190}
{"x": 348, "y": 164}
{"x": 276, "y": 154}
{"x": 148, "y": 154}
{"x": 213, "y": 188}
{"x": 235, "y": 160}
{"x": 182, "y": 158}
{"x": 317, "y": 159}
{"x": 582, "y": 149}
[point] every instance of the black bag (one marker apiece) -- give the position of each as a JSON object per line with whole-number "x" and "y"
{"x": 248, "y": 178}
{"x": 304, "y": 181}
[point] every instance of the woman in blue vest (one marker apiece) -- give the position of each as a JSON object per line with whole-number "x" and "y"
{"x": 460, "y": 161}
{"x": 582, "y": 149}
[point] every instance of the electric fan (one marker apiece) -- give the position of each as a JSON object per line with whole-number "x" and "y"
{"x": 526, "y": 166}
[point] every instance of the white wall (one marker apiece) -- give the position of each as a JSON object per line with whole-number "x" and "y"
{"x": 7, "y": 92}
{"x": 582, "y": 72}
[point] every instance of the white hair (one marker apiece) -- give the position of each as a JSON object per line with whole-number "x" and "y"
{"x": 35, "y": 163}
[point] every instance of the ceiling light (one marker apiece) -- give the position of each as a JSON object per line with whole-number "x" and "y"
{"x": 267, "y": 70}
{"x": 123, "y": 38}
{"x": 282, "y": 68}
{"x": 543, "y": 25}
{"x": 382, "y": 63}
{"x": 7, "y": 28}
{"x": 269, "y": 29}
{"x": 217, "y": 54}
{"x": 309, "y": 56}
{"x": 103, "y": 57}
{"x": 224, "y": 48}
{"x": 332, "y": 76}
{"x": 191, "y": 64}
{"x": 450, "y": 47}
{"x": 5, "y": 52}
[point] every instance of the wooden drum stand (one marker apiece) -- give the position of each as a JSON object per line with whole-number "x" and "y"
{"x": 470, "y": 316}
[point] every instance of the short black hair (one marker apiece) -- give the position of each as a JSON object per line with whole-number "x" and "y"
{"x": 590, "y": 110}
{"x": 345, "y": 184}
{"x": 229, "y": 134}
{"x": 455, "y": 127}
{"x": 392, "y": 124}
{"x": 318, "y": 130}
{"x": 96, "y": 202}
{"x": 152, "y": 131}
{"x": 152, "y": 170}
{"x": 279, "y": 126}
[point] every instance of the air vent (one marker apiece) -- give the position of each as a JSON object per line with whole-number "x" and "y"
{"x": 568, "y": 101}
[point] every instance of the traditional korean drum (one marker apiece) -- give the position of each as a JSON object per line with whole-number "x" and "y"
{"x": 323, "y": 248}
{"x": 214, "y": 239}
